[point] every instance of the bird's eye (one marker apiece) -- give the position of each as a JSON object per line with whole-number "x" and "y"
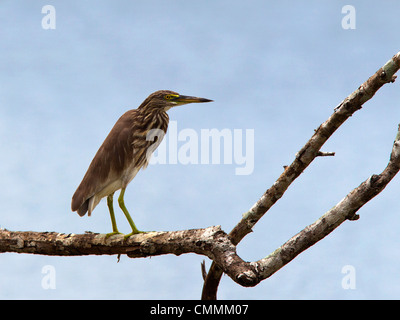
{"x": 169, "y": 96}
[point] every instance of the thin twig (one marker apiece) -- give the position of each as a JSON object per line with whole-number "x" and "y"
{"x": 325, "y": 154}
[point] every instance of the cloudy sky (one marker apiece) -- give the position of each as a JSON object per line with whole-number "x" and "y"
{"x": 275, "y": 70}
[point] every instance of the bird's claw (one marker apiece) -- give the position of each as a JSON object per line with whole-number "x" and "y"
{"x": 126, "y": 236}
{"x": 112, "y": 233}
{"x": 132, "y": 233}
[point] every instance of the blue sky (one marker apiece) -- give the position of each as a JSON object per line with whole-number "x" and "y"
{"x": 277, "y": 68}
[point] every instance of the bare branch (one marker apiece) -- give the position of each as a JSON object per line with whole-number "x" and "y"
{"x": 312, "y": 148}
{"x": 211, "y": 242}
{"x": 139, "y": 245}
{"x": 345, "y": 210}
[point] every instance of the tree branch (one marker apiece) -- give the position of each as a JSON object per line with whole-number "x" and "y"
{"x": 346, "y": 209}
{"x": 211, "y": 242}
{"x": 138, "y": 245}
{"x": 302, "y": 160}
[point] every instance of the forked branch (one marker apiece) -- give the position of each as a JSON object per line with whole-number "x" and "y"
{"x": 302, "y": 160}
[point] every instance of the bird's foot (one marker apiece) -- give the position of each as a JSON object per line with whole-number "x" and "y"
{"x": 112, "y": 233}
{"x": 132, "y": 233}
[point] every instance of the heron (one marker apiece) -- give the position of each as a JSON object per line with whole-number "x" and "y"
{"x": 126, "y": 150}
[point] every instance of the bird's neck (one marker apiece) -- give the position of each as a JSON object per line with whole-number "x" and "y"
{"x": 155, "y": 118}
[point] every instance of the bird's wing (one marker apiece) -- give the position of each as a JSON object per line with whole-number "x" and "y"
{"x": 108, "y": 163}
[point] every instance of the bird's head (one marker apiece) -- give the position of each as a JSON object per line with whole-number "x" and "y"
{"x": 166, "y": 99}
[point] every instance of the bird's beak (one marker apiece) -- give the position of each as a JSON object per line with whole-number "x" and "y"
{"x": 187, "y": 99}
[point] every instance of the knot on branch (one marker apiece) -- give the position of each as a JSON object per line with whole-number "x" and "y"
{"x": 247, "y": 279}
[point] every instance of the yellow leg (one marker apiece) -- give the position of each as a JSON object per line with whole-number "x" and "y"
{"x": 112, "y": 215}
{"x": 127, "y": 215}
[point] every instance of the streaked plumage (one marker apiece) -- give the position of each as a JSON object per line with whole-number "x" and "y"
{"x": 125, "y": 151}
